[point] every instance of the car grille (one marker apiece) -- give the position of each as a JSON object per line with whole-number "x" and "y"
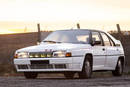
{"x": 43, "y": 66}
{"x": 40, "y": 54}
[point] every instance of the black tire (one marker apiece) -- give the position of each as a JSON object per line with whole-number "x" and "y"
{"x": 69, "y": 75}
{"x": 87, "y": 69}
{"x": 30, "y": 75}
{"x": 119, "y": 69}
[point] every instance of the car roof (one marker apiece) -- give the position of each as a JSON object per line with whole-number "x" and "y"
{"x": 81, "y": 30}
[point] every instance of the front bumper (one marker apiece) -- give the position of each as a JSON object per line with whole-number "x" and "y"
{"x": 54, "y": 65}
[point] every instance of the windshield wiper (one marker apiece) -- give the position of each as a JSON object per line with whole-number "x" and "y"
{"x": 51, "y": 41}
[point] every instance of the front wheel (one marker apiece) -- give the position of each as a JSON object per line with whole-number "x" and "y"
{"x": 119, "y": 69}
{"x": 87, "y": 70}
{"x": 30, "y": 75}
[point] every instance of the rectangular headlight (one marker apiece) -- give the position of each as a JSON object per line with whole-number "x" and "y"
{"x": 22, "y": 55}
{"x": 61, "y": 54}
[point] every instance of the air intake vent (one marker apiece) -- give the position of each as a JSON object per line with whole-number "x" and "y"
{"x": 43, "y": 66}
{"x": 22, "y": 67}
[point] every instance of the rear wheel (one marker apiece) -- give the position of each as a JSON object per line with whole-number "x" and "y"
{"x": 69, "y": 75}
{"x": 87, "y": 69}
{"x": 30, "y": 75}
{"x": 119, "y": 69}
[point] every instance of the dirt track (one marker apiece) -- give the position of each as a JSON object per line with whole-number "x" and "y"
{"x": 123, "y": 81}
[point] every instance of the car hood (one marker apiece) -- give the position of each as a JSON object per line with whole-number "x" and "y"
{"x": 53, "y": 47}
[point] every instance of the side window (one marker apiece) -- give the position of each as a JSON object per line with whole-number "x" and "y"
{"x": 105, "y": 39}
{"x": 96, "y": 37}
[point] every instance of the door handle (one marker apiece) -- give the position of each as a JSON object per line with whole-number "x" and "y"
{"x": 103, "y": 49}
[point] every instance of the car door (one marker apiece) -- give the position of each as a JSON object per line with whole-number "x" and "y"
{"x": 111, "y": 52}
{"x": 99, "y": 52}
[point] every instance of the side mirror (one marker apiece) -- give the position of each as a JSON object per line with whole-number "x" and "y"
{"x": 96, "y": 43}
{"x": 118, "y": 45}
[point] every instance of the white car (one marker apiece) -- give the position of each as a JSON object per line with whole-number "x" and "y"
{"x": 79, "y": 51}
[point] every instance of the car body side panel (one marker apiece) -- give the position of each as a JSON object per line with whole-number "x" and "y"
{"x": 112, "y": 57}
{"x": 113, "y": 54}
{"x": 99, "y": 56}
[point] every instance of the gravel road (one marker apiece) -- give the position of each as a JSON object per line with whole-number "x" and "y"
{"x": 111, "y": 81}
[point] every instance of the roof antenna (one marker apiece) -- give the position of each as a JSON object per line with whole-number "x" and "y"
{"x": 78, "y": 25}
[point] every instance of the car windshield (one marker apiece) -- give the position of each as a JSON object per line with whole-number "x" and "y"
{"x": 69, "y": 36}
